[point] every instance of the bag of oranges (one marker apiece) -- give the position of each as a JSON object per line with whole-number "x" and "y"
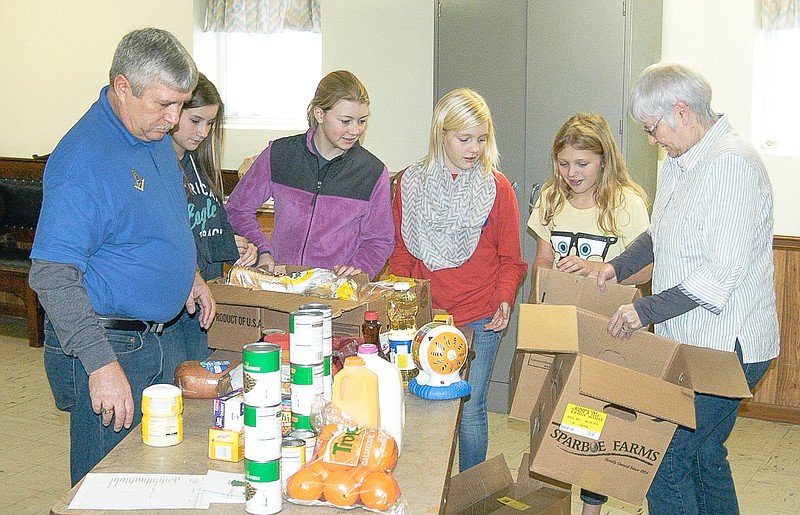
{"x": 352, "y": 466}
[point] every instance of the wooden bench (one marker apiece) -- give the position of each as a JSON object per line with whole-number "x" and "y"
{"x": 20, "y": 203}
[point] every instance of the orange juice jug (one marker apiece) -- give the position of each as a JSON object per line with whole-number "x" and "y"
{"x": 355, "y": 392}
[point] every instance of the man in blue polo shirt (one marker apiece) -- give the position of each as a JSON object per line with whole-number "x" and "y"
{"x": 114, "y": 258}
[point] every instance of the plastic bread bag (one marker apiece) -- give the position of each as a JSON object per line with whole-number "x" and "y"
{"x": 352, "y": 467}
{"x": 323, "y": 283}
{"x": 257, "y": 279}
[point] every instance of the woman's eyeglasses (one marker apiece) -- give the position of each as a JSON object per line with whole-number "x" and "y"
{"x": 651, "y": 130}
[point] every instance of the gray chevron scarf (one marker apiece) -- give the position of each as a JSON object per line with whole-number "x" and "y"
{"x": 442, "y": 216}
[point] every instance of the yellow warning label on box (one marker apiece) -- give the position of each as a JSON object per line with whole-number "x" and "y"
{"x": 517, "y": 505}
{"x": 583, "y": 421}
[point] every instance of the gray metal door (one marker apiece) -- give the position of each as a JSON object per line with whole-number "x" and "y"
{"x": 481, "y": 44}
{"x": 537, "y": 62}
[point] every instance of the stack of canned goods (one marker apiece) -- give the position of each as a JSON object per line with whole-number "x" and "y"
{"x": 327, "y": 345}
{"x": 306, "y": 363}
{"x": 262, "y": 428}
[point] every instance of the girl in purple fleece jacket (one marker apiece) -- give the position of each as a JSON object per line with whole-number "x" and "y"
{"x": 332, "y": 196}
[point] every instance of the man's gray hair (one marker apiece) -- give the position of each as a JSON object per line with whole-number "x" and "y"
{"x": 663, "y": 84}
{"x": 150, "y": 56}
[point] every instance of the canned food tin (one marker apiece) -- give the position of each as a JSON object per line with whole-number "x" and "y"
{"x": 293, "y": 456}
{"x": 300, "y": 421}
{"x": 262, "y": 376}
{"x": 305, "y": 337}
{"x": 286, "y": 414}
{"x": 306, "y": 386}
{"x": 262, "y": 489}
{"x": 282, "y": 339}
{"x": 262, "y": 433}
{"x": 327, "y": 326}
{"x": 310, "y": 438}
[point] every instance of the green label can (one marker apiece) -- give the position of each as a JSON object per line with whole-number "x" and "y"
{"x": 307, "y": 385}
{"x": 262, "y": 374}
{"x": 327, "y": 379}
{"x": 262, "y": 489}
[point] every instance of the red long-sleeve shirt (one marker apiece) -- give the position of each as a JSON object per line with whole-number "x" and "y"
{"x": 490, "y": 276}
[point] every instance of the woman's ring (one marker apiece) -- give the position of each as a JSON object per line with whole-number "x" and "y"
{"x": 108, "y": 411}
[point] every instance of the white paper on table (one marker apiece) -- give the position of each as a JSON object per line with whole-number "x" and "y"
{"x": 224, "y": 487}
{"x": 140, "y": 492}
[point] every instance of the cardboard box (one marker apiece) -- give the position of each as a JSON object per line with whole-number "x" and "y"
{"x": 229, "y": 411}
{"x": 243, "y": 313}
{"x": 225, "y": 445}
{"x": 529, "y": 369}
{"x": 488, "y": 488}
{"x": 609, "y": 407}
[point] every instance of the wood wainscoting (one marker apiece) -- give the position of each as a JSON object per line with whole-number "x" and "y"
{"x": 777, "y": 396}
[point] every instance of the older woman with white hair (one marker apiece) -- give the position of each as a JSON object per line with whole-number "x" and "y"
{"x": 710, "y": 243}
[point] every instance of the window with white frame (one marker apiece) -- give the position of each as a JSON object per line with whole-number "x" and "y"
{"x": 265, "y": 80}
{"x": 776, "y": 102}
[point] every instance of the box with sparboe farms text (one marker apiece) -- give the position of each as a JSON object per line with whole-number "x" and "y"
{"x": 608, "y": 408}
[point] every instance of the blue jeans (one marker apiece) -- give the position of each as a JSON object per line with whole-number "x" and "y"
{"x": 473, "y": 433}
{"x": 140, "y": 357}
{"x": 695, "y": 476}
{"x": 184, "y": 340}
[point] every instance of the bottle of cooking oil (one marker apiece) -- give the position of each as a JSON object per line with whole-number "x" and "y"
{"x": 402, "y": 329}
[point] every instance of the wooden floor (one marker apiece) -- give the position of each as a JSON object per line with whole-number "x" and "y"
{"x": 34, "y": 456}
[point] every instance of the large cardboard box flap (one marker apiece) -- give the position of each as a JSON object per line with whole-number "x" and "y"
{"x": 554, "y": 287}
{"x": 546, "y": 328}
{"x": 474, "y": 487}
{"x": 277, "y": 301}
{"x": 488, "y": 488}
{"x": 709, "y": 371}
{"x": 636, "y": 391}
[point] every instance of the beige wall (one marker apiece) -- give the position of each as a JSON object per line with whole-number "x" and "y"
{"x": 59, "y": 58}
{"x": 55, "y": 59}
{"x": 717, "y": 38}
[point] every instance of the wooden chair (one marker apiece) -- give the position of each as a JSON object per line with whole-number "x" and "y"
{"x": 20, "y": 203}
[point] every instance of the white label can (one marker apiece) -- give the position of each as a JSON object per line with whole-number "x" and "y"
{"x": 305, "y": 337}
{"x": 327, "y": 325}
{"x": 262, "y": 433}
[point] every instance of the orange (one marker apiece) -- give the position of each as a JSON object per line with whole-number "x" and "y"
{"x": 341, "y": 488}
{"x": 379, "y": 491}
{"x": 305, "y": 485}
{"x": 381, "y": 455}
{"x": 320, "y": 468}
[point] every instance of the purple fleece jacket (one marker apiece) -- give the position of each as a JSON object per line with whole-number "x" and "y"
{"x": 340, "y": 215}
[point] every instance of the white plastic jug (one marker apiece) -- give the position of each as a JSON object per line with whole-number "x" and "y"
{"x": 390, "y": 392}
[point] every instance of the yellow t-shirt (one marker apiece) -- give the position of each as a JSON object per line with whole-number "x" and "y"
{"x": 575, "y": 232}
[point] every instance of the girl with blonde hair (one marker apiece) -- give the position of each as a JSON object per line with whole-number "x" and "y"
{"x": 591, "y": 209}
{"x": 457, "y": 225}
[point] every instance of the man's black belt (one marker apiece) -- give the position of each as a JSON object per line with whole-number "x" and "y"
{"x": 130, "y": 324}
